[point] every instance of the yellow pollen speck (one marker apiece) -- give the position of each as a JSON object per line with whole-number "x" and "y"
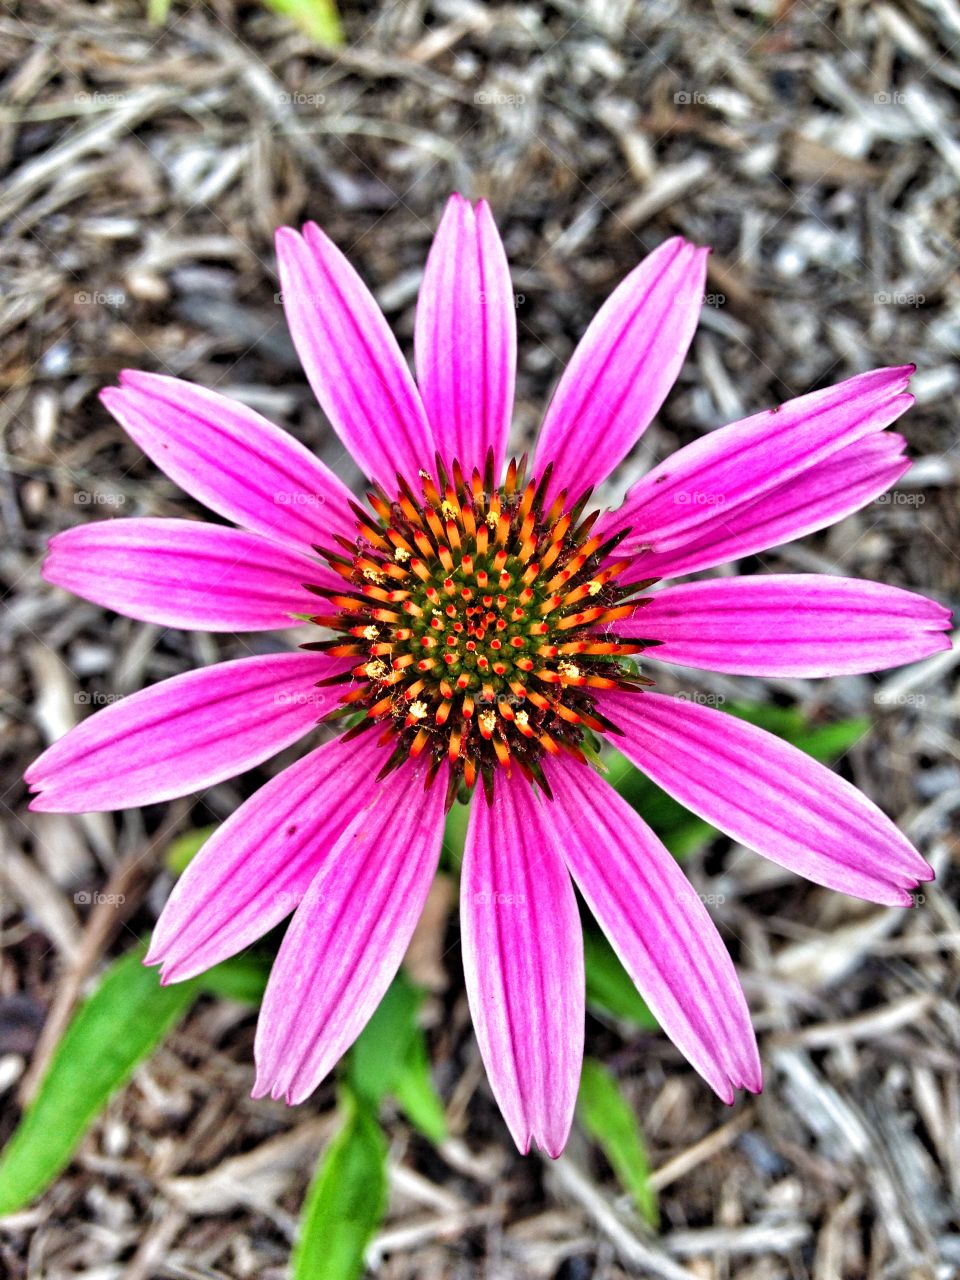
{"x": 370, "y": 633}
{"x": 594, "y": 587}
{"x": 487, "y": 720}
{"x": 417, "y": 710}
{"x": 492, "y": 519}
{"x": 376, "y": 670}
{"x": 447, "y": 509}
{"x": 522, "y": 719}
{"x": 424, "y": 475}
{"x": 373, "y": 575}
{"x": 569, "y": 669}
{"x": 401, "y": 554}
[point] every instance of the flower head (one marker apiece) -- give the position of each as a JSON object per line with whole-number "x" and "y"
{"x": 482, "y": 621}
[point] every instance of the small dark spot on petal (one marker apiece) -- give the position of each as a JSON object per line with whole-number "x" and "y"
{"x": 292, "y": 829}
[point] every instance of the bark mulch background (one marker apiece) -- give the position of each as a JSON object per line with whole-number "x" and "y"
{"x": 814, "y": 146}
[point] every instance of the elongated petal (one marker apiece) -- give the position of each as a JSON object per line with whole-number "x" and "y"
{"x": 348, "y": 936}
{"x": 466, "y": 337}
{"x": 768, "y": 795}
{"x": 657, "y": 925}
{"x": 184, "y": 734}
{"x": 352, "y": 360}
{"x": 231, "y": 459}
{"x": 623, "y": 367}
{"x": 790, "y": 625}
{"x": 768, "y": 478}
{"x": 828, "y": 492}
{"x": 523, "y": 964}
{"x": 257, "y": 867}
{"x": 184, "y": 573}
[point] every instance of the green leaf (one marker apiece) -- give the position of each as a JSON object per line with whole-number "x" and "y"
{"x": 829, "y": 742}
{"x": 114, "y": 1029}
{"x": 317, "y": 18}
{"x": 157, "y": 12}
{"x": 606, "y": 1116}
{"x": 677, "y": 827}
{"x": 825, "y": 742}
{"x": 346, "y": 1202}
{"x": 242, "y": 978}
{"x": 413, "y": 1089}
{"x": 181, "y": 852}
{"x": 380, "y": 1051}
{"x": 609, "y": 987}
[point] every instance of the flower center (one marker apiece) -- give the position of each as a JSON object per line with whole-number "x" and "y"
{"x": 479, "y": 618}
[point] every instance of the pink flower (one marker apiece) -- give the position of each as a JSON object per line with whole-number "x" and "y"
{"x": 482, "y": 620}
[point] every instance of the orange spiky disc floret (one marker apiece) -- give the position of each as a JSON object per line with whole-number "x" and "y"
{"x": 479, "y": 620}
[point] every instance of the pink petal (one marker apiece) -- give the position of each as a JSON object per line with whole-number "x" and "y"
{"x": 231, "y": 459}
{"x": 352, "y": 360}
{"x": 790, "y": 625}
{"x": 768, "y": 478}
{"x": 184, "y": 573}
{"x": 184, "y": 734}
{"x": 257, "y": 867}
{"x": 348, "y": 936}
{"x": 657, "y": 924}
{"x": 523, "y": 964}
{"x": 768, "y": 795}
{"x": 466, "y": 337}
{"x": 623, "y": 367}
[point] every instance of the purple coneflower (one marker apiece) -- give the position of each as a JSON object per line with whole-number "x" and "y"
{"x": 485, "y": 622}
